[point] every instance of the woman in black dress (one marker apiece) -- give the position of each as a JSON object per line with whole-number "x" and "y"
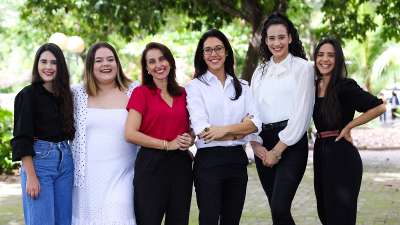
{"x": 337, "y": 163}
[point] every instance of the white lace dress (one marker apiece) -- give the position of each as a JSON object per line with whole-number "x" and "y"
{"x": 107, "y": 197}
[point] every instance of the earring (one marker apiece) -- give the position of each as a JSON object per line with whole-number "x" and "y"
{"x": 148, "y": 72}
{"x": 290, "y": 42}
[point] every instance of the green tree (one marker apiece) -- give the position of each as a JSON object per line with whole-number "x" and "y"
{"x": 96, "y": 20}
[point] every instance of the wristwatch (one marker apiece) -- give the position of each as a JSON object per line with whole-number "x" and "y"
{"x": 276, "y": 154}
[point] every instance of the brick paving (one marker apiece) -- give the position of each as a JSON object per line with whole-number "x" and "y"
{"x": 379, "y": 200}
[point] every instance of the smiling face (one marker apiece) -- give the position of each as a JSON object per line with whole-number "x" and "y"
{"x": 105, "y": 67}
{"x": 157, "y": 65}
{"x": 278, "y": 41}
{"x": 47, "y": 67}
{"x": 215, "y": 61}
{"x": 326, "y": 59}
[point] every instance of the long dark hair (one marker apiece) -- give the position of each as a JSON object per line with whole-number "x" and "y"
{"x": 295, "y": 47}
{"x": 201, "y": 66}
{"x": 173, "y": 87}
{"x": 121, "y": 80}
{"x": 61, "y": 87}
{"x": 330, "y": 104}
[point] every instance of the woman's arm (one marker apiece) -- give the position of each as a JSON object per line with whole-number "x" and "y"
{"x": 215, "y": 132}
{"x": 132, "y": 134}
{"x": 251, "y": 124}
{"x": 363, "y": 118}
{"x": 299, "y": 122}
{"x": 32, "y": 182}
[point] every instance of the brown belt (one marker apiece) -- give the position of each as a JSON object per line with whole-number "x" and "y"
{"x": 328, "y": 134}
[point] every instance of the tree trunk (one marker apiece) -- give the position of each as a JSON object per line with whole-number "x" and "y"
{"x": 251, "y": 61}
{"x": 257, "y": 20}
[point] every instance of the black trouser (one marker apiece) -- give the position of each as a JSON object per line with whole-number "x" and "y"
{"x": 220, "y": 179}
{"x": 280, "y": 182}
{"x": 337, "y": 180}
{"x": 163, "y": 184}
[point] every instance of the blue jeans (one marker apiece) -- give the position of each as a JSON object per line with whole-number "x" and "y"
{"x": 54, "y": 170}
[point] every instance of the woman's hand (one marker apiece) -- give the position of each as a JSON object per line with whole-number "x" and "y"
{"x": 346, "y": 134}
{"x": 212, "y": 133}
{"x": 258, "y": 149}
{"x": 270, "y": 159}
{"x": 184, "y": 141}
{"x": 247, "y": 117}
{"x": 33, "y": 187}
{"x": 173, "y": 145}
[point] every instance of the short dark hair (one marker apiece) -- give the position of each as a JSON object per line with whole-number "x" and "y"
{"x": 173, "y": 87}
{"x": 122, "y": 81}
{"x": 61, "y": 87}
{"x": 201, "y": 66}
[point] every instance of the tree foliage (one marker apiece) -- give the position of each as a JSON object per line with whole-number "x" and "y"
{"x": 348, "y": 19}
{"x": 95, "y": 20}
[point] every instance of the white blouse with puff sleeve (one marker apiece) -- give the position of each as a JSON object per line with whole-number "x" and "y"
{"x": 285, "y": 91}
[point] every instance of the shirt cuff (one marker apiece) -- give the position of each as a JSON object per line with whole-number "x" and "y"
{"x": 256, "y": 138}
{"x": 258, "y": 124}
{"x": 199, "y": 128}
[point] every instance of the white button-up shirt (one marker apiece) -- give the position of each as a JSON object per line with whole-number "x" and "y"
{"x": 212, "y": 105}
{"x": 285, "y": 91}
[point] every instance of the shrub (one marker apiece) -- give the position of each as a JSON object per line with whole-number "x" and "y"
{"x": 6, "y": 125}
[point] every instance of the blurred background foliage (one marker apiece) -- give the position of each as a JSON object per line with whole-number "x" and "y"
{"x": 368, "y": 30}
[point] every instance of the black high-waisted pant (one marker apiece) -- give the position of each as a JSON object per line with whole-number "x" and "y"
{"x": 163, "y": 183}
{"x": 220, "y": 179}
{"x": 280, "y": 182}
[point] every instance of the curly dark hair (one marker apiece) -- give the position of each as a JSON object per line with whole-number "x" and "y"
{"x": 295, "y": 47}
{"x": 61, "y": 87}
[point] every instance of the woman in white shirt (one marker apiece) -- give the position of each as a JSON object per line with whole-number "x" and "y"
{"x": 217, "y": 102}
{"x": 283, "y": 90}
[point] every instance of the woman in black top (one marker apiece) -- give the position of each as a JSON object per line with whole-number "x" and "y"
{"x": 43, "y": 124}
{"x": 337, "y": 163}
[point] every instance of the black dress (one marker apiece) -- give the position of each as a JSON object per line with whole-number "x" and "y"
{"x": 337, "y": 165}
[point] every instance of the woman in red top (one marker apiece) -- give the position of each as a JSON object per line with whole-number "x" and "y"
{"x": 159, "y": 122}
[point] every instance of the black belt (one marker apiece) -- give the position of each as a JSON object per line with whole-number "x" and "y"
{"x": 270, "y": 126}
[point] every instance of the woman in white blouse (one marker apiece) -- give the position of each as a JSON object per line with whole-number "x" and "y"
{"x": 283, "y": 90}
{"x": 217, "y": 102}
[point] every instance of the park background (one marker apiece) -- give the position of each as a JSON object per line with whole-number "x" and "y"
{"x": 369, "y": 32}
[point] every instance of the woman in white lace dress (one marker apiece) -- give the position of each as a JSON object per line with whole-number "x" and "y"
{"x": 103, "y": 160}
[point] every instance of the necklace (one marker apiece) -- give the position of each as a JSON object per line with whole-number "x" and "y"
{"x": 166, "y": 95}
{"x": 321, "y": 83}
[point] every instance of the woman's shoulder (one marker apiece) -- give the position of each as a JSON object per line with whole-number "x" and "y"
{"x": 347, "y": 85}
{"x": 78, "y": 88}
{"x": 243, "y": 82}
{"x": 134, "y": 84}
{"x": 30, "y": 89}
{"x": 302, "y": 62}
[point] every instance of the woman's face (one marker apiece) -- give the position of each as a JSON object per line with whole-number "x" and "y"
{"x": 105, "y": 66}
{"x": 326, "y": 59}
{"x": 214, "y": 54}
{"x": 157, "y": 65}
{"x": 47, "y": 67}
{"x": 278, "y": 41}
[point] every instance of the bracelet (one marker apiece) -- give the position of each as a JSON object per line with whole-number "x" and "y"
{"x": 234, "y": 136}
{"x": 165, "y": 145}
{"x": 276, "y": 154}
{"x": 193, "y": 141}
